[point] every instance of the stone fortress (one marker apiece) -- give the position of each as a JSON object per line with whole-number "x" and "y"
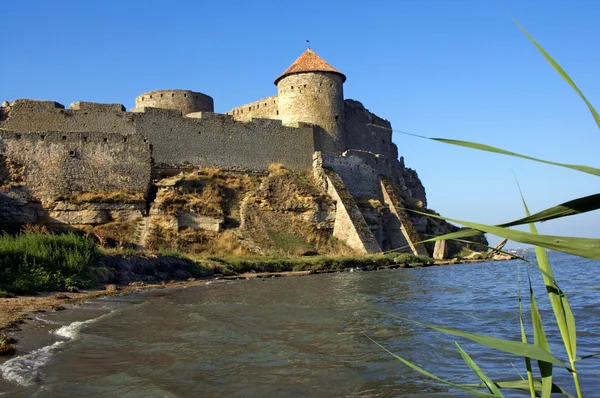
{"x": 49, "y": 154}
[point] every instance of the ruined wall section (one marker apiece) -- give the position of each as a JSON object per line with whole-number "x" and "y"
{"x": 409, "y": 181}
{"x": 184, "y": 100}
{"x": 54, "y": 165}
{"x": 366, "y": 131}
{"x": 266, "y": 108}
{"x": 81, "y": 117}
{"x": 215, "y": 140}
{"x": 359, "y": 170}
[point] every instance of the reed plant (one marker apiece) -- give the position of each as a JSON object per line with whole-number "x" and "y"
{"x": 540, "y": 382}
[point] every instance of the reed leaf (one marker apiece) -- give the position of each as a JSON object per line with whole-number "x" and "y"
{"x": 522, "y": 385}
{"x": 477, "y": 370}
{"x": 560, "y": 305}
{"x": 509, "y": 346}
{"x": 576, "y": 206}
{"x": 583, "y": 247}
{"x": 470, "y": 390}
{"x": 562, "y": 73}
{"x": 587, "y": 356}
{"x": 570, "y": 208}
{"x": 488, "y": 148}
{"x": 524, "y": 340}
{"x": 540, "y": 340}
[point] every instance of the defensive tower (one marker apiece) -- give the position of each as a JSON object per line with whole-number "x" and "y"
{"x": 184, "y": 100}
{"x": 311, "y": 91}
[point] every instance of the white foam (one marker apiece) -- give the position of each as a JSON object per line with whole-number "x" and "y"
{"x": 25, "y": 369}
{"x": 39, "y": 318}
{"x": 71, "y": 331}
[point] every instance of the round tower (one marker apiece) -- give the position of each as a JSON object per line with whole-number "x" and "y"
{"x": 312, "y": 91}
{"x": 184, "y": 100}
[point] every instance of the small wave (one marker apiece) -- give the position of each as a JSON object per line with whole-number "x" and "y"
{"x": 71, "y": 331}
{"x": 25, "y": 369}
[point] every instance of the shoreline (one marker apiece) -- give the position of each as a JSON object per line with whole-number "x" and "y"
{"x": 18, "y": 310}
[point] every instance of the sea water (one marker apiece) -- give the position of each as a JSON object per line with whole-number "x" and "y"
{"x": 303, "y": 336}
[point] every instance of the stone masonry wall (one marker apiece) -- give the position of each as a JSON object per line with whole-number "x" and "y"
{"x": 207, "y": 139}
{"x": 184, "y": 100}
{"x": 265, "y": 108}
{"x": 360, "y": 177}
{"x": 317, "y": 98}
{"x": 81, "y": 117}
{"x": 366, "y": 131}
{"x": 59, "y": 164}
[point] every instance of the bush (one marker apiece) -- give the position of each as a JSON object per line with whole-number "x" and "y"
{"x": 38, "y": 261}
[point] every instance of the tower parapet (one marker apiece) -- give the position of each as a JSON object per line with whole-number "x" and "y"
{"x": 184, "y": 100}
{"x": 311, "y": 91}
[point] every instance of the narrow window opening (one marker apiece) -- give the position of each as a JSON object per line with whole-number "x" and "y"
{"x": 43, "y": 136}
{"x": 124, "y": 139}
{"x": 151, "y": 97}
{"x": 278, "y": 112}
{"x": 64, "y": 137}
{"x": 161, "y": 96}
{"x": 85, "y": 138}
{"x": 105, "y": 139}
{"x": 249, "y": 108}
{"x": 172, "y": 94}
{"x": 337, "y": 118}
{"x": 292, "y": 87}
{"x": 185, "y": 95}
{"x": 72, "y": 154}
{"x": 18, "y": 136}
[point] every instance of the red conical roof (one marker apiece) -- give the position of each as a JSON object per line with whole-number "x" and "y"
{"x": 309, "y": 62}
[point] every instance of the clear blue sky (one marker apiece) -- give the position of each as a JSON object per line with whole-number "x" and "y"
{"x": 447, "y": 68}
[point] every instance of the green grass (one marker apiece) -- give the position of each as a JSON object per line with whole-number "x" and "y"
{"x": 229, "y": 266}
{"x": 35, "y": 262}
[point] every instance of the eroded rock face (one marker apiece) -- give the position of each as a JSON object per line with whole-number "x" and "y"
{"x": 288, "y": 212}
{"x": 17, "y": 207}
{"x": 188, "y": 219}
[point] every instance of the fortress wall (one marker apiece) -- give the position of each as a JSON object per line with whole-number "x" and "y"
{"x": 57, "y": 164}
{"x": 367, "y": 131}
{"x": 39, "y": 116}
{"x": 216, "y": 140}
{"x": 264, "y": 108}
{"x": 360, "y": 177}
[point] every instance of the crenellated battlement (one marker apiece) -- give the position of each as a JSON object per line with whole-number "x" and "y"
{"x": 96, "y": 107}
{"x": 42, "y": 116}
{"x": 69, "y": 138}
{"x": 186, "y": 101}
{"x": 263, "y": 108}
